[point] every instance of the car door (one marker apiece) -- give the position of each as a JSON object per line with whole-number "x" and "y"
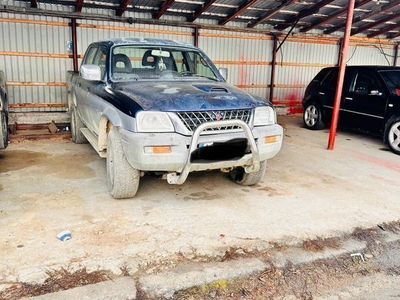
{"x": 327, "y": 93}
{"x": 82, "y": 87}
{"x": 94, "y": 103}
{"x": 366, "y": 101}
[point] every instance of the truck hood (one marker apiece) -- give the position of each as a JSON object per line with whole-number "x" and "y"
{"x": 186, "y": 96}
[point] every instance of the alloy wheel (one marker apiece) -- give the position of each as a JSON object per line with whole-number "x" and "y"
{"x": 311, "y": 115}
{"x": 394, "y": 136}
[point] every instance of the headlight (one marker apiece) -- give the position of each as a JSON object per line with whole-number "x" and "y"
{"x": 153, "y": 121}
{"x": 265, "y": 115}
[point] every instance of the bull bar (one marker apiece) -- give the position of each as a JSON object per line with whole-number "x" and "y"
{"x": 175, "y": 178}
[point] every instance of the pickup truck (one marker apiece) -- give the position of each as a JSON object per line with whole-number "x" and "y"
{"x": 162, "y": 107}
{"x": 3, "y": 113}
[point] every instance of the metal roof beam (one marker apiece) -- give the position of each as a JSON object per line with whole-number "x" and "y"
{"x": 201, "y": 10}
{"x": 167, "y": 4}
{"x": 122, "y": 7}
{"x": 34, "y": 4}
{"x": 79, "y": 5}
{"x": 271, "y": 12}
{"x": 384, "y": 30}
{"x": 377, "y": 23}
{"x": 304, "y": 13}
{"x": 238, "y": 11}
{"x": 393, "y": 35}
{"x": 363, "y": 17}
{"x": 333, "y": 17}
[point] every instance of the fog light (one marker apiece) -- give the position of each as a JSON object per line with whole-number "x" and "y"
{"x": 158, "y": 149}
{"x": 271, "y": 139}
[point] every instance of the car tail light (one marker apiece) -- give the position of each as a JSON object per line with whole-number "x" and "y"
{"x": 398, "y": 92}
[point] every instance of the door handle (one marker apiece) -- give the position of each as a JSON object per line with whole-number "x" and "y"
{"x": 348, "y": 98}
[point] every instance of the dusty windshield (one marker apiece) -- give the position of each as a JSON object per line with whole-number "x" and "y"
{"x": 392, "y": 79}
{"x": 135, "y": 63}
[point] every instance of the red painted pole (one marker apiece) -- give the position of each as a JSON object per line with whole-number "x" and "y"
{"x": 342, "y": 70}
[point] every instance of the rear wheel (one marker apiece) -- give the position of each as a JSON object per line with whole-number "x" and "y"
{"x": 239, "y": 175}
{"x": 3, "y": 130}
{"x": 122, "y": 179}
{"x": 393, "y": 136}
{"x": 312, "y": 117}
{"x": 76, "y": 125}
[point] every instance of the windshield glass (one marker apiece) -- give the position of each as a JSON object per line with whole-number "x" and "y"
{"x": 392, "y": 79}
{"x": 135, "y": 63}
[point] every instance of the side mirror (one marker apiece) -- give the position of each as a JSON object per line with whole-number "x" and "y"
{"x": 90, "y": 72}
{"x": 375, "y": 93}
{"x": 224, "y": 73}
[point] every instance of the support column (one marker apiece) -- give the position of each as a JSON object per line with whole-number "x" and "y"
{"x": 273, "y": 67}
{"x": 74, "y": 45}
{"x": 196, "y": 37}
{"x": 396, "y": 55}
{"x": 342, "y": 69}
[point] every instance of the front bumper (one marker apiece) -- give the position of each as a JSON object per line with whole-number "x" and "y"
{"x": 178, "y": 161}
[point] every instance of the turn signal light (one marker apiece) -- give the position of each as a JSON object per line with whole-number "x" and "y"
{"x": 271, "y": 139}
{"x": 158, "y": 149}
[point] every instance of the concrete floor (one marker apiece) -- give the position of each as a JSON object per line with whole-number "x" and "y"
{"x": 48, "y": 187}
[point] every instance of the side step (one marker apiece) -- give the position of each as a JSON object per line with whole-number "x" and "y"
{"x": 92, "y": 138}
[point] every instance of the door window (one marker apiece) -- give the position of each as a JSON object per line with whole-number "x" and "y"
{"x": 89, "y": 57}
{"x": 100, "y": 59}
{"x": 330, "y": 81}
{"x": 363, "y": 83}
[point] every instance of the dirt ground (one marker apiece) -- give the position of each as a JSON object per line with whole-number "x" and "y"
{"x": 48, "y": 187}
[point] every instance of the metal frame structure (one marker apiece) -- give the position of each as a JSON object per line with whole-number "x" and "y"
{"x": 267, "y": 16}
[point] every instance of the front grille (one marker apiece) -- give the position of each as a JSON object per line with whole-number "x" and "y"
{"x": 193, "y": 119}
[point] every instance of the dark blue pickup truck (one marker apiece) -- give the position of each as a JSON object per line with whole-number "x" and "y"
{"x": 160, "y": 106}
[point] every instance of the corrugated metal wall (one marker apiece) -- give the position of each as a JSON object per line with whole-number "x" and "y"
{"x": 35, "y": 57}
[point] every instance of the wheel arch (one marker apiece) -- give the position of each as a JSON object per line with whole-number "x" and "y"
{"x": 108, "y": 119}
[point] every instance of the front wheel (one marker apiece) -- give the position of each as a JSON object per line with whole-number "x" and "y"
{"x": 239, "y": 175}
{"x": 122, "y": 179}
{"x": 393, "y": 136}
{"x": 312, "y": 117}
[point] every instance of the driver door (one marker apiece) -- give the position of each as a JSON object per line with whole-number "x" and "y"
{"x": 365, "y": 101}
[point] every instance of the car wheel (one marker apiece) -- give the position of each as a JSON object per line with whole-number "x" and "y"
{"x": 122, "y": 179}
{"x": 393, "y": 136}
{"x": 239, "y": 175}
{"x": 3, "y": 130}
{"x": 76, "y": 125}
{"x": 312, "y": 117}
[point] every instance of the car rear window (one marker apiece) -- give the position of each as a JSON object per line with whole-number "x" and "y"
{"x": 392, "y": 79}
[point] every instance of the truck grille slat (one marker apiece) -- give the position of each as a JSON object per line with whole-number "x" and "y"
{"x": 193, "y": 119}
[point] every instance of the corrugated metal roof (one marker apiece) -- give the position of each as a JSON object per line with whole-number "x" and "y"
{"x": 282, "y": 18}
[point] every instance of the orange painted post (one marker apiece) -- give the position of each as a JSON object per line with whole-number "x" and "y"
{"x": 342, "y": 70}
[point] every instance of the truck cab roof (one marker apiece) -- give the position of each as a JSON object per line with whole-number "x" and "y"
{"x": 146, "y": 41}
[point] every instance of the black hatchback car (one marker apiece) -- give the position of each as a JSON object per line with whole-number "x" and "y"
{"x": 370, "y": 101}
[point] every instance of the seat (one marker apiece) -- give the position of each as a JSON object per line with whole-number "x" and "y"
{"x": 149, "y": 60}
{"x": 116, "y": 63}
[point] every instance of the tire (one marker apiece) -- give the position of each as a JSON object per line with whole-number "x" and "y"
{"x": 312, "y": 117}
{"x": 122, "y": 179}
{"x": 239, "y": 176}
{"x": 76, "y": 125}
{"x": 3, "y": 130}
{"x": 393, "y": 135}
